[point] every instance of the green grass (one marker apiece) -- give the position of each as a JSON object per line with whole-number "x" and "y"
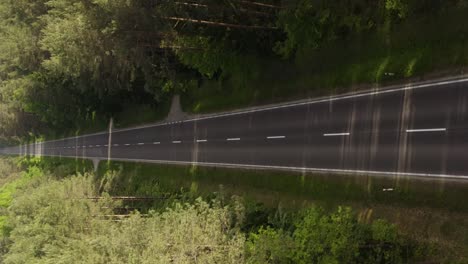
{"x": 10, "y": 176}
{"x": 59, "y": 167}
{"x": 138, "y": 178}
{"x": 131, "y": 115}
{"x": 141, "y": 114}
{"x": 12, "y": 179}
{"x": 430, "y": 45}
{"x": 16, "y": 173}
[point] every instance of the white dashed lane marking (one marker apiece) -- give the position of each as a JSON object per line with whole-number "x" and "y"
{"x": 336, "y": 134}
{"x": 276, "y": 137}
{"x": 426, "y": 130}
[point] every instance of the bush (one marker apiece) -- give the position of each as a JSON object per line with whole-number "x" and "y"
{"x": 319, "y": 237}
{"x": 53, "y": 222}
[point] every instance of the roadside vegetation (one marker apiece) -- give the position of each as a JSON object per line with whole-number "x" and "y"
{"x": 430, "y": 212}
{"x": 62, "y": 212}
{"x": 68, "y": 67}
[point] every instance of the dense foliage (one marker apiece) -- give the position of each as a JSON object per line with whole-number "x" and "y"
{"x": 66, "y": 65}
{"x": 50, "y": 219}
{"x": 64, "y": 61}
{"x": 56, "y": 223}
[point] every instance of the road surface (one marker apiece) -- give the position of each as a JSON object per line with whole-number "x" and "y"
{"x": 415, "y": 130}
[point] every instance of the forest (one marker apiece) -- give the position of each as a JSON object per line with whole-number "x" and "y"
{"x": 69, "y": 66}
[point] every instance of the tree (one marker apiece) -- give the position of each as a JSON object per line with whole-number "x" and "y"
{"x": 320, "y": 237}
{"x": 327, "y": 239}
{"x": 399, "y": 7}
{"x": 269, "y": 245}
{"x": 310, "y": 24}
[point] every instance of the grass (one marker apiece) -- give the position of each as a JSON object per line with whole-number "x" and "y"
{"x": 18, "y": 172}
{"x": 434, "y": 44}
{"x": 131, "y": 115}
{"x": 137, "y": 178}
{"x": 141, "y": 114}
{"x": 12, "y": 178}
{"x": 57, "y": 166}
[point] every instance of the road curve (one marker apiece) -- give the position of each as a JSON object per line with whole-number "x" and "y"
{"x": 415, "y": 130}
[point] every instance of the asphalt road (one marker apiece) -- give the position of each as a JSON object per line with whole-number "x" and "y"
{"x": 416, "y": 130}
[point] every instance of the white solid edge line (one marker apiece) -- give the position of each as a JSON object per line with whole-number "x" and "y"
{"x": 336, "y": 134}
{"x": 426, "y": 130}
{"x": 312, "y": 101}
{"x": 330, "y": 99}
{"x": 248, "y": 166}
{"x": 276, "y": 137}
{"x": 233, "y": 139}
{"x": 333, "y": 98}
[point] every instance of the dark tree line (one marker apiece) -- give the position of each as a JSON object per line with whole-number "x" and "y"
{"x": 64, "y": 62}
